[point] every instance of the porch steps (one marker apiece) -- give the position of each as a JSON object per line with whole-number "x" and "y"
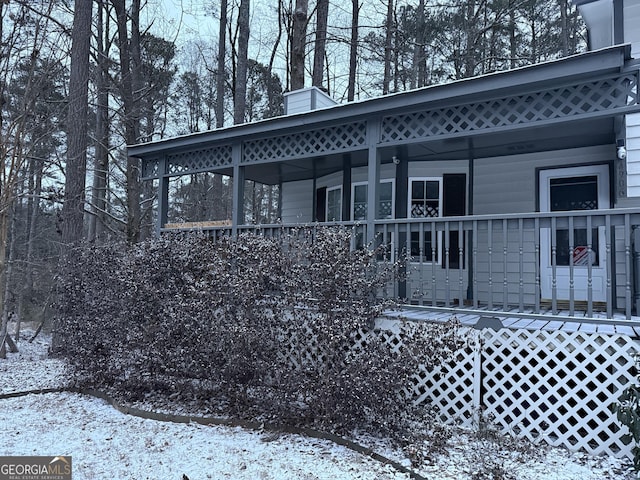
{"x": 523, "y": 320}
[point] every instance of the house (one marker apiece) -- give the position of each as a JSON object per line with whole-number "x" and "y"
{"x": 516, "y": 192}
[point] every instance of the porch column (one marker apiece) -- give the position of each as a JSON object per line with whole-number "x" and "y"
{"x": 469, "y": 246}
{"x": 346, "y": 188}
{"x": 237, "y": 209}
{"x": 401, "y": 200}
{"x": 163, "y": 196}
{"x": 373, "y": 177}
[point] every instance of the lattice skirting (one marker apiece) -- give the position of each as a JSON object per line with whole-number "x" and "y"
{"x": 550, "y": 386}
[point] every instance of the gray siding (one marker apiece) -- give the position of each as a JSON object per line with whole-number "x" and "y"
{"x": 297, "y": 202}
{"x": 633, "y": 154}
{"x": 508, "y": 184}
{"x": 631, "y": 30}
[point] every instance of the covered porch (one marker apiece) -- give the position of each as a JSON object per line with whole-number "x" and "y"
{"x": 502, "y": 193}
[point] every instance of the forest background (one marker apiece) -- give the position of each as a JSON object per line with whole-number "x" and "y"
{"x": 81, "y": 80}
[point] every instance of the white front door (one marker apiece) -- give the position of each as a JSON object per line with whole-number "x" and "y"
{"x": 577, "y": 188}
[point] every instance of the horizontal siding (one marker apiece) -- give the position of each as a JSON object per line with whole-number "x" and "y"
{"x": 360, "y": 174}
{"x": 437, "y": 169}
{"x": 631, "y": 30}
{"x": 297, "y": 201}
{"x": 508, "y": 184}
{"x": 633, "y": 154}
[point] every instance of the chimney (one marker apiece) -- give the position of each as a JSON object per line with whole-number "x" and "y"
{"x": 305, "y": 100}
{"x": 611, "y": 22}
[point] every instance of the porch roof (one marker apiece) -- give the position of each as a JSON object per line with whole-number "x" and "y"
{"x": 495, "y": 85}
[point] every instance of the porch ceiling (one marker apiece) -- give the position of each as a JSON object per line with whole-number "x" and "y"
{"x": 598, "y": 131}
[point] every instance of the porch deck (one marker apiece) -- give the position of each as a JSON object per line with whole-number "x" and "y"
{"x": 528, "y": 320}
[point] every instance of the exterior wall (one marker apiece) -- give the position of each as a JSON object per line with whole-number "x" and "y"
{"x": 307, "y": 99}
{"x": 631, "y": 30}
{"x": 297, "y": 202}
{"x": 504, "y": 185}
{"x": 633, "y": 154}
{"x": 360, "y": 174}
{"x": 509, "y": 184}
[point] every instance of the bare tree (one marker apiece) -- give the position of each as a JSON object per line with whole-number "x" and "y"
{"x": 388, "y": 47}
{"x": 298, "y": 44}
{"x": 319, "y": 52}
{"x": 77, "y": 136}
{"x": 101, "y": 161}
{"x": 23, "y": 71}
{"x": 240, "y": 92}
{"x": 353, "y": 49}
{"x": 130, "y": 62}
{"x": 220, "y": 74}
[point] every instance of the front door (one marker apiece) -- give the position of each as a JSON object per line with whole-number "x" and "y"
{"x": 577, "y": 188}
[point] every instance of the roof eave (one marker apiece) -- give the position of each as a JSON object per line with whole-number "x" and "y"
{"x": 539, "y": 75}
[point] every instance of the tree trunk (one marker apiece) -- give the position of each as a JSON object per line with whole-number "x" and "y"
{"x": 388, "y": 45}
{"x": 353, "y": 50}
{"x": 240, "y": 96}
{"x": 101, "y": 162}
{"x": 77, "y": 138}
{"x": 222, "y": 48}
{"x": 564, "y": 28}
{"x": 319, "y": 52}
{"x": 34, "y": 217}
{"x": 129, "y": 52}
{"x": 419, "y": 60}
{"x": 513, "y": 46}
{"x": 9, "y": 270}
{"x": 298, "y": 43}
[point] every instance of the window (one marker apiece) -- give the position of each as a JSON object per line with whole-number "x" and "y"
{"x": 385, "y": 204}
{"x": 425, "y": 201}
{"x": 423, "y": 249}
{"x": 334, "y": 204}
{"x": 575, "y": 193}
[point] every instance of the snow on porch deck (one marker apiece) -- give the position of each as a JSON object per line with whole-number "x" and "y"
{"x": 528, "y": 320}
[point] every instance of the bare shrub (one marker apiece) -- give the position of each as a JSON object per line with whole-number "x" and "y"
{"x": 281, "y": 329}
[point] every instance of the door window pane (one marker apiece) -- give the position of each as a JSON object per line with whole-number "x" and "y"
{"x": 575, "y": 193}
{"x": 581, "y": 255}
{"x": 334, "y": 205}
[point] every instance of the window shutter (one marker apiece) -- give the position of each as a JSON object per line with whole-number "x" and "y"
{"x": 454, "y": 204}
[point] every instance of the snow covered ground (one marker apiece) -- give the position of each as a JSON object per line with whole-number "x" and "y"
{"x": 107, "y": 444}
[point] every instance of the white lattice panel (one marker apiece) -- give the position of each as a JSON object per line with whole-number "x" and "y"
{"x": 550, "y": 386}
{"x": 558, "y": 386}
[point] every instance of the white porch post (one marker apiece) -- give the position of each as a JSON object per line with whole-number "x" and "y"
{"x": 373, "y": 177}
{"x": 237, "y": 212}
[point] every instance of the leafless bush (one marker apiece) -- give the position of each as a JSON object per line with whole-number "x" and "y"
{"x": 275, "y": 328}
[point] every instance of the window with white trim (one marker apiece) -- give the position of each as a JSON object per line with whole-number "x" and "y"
{"x": 386, "y": 202}
{"x": 425, "y": 201}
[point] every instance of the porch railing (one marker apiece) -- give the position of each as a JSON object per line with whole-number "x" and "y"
{"x": 531, "y": 264}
